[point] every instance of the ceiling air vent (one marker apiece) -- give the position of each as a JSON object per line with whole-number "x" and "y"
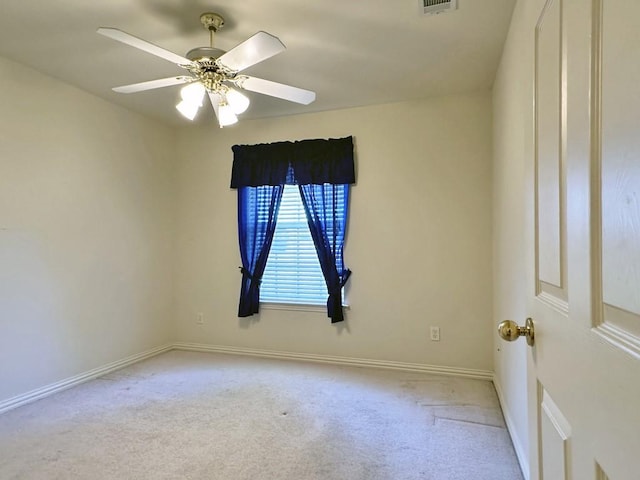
{"x": 432, "y": 7}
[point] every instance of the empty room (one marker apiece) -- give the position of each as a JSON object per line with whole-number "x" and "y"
{"x": 383, "y": 240}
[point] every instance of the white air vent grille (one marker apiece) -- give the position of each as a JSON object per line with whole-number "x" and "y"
{"x": 432, "y": 7}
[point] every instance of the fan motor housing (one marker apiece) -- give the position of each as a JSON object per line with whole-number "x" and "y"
{"x": 200, "y": 53}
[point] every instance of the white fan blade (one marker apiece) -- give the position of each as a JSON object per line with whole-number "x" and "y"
{"x": 253, "y": 50}
{"x": 136, "y": 42}
{"x": 279, "y": 90}
{"x": 151, "y": 84}
{"x": 215, "y": 102}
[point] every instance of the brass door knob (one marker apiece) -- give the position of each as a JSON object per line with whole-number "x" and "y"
{"x": 510, "y": 331}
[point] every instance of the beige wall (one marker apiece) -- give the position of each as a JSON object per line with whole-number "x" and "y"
{"x": 86, "y": 227}
{"x": 419, "y": 238}
{"x": 512, "y": 100}
{"x": 87, "y": 207}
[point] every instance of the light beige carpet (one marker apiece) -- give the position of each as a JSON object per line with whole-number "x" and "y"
{"x": 186, "y": 415}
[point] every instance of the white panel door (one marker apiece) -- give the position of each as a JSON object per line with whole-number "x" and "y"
{"x": 584, "y": 369}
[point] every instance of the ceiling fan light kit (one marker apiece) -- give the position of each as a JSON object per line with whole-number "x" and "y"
{"x": 215, "y": 72}
{"x": 188, "y": 110}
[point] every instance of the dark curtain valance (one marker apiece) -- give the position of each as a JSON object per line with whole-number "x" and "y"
{"x": 303, "y": 162}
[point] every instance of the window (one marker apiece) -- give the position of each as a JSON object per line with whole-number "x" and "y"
{"x": 323, "y": 171}
{"x": 293, "y": 273}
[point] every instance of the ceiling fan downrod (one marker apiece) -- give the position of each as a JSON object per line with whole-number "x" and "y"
{"x": 204, "y": 57}
{"x": 212, "y": 22}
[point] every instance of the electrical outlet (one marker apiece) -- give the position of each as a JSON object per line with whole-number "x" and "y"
{"x": 435, "y": 334}
{"x": 200, "y": 319}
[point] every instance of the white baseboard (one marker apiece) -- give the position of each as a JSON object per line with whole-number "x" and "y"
{"x": 56, "y": 387}
{"x": 355, "y": 362}
{"x": 523, "y": 457}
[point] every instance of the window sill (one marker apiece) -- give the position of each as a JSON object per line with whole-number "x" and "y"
{"x": 297, "y": 307}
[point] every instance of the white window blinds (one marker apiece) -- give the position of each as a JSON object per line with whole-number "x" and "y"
{"x": 293, "y": 273}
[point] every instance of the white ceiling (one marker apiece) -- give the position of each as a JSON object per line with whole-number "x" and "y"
{"x": 350, "y": 52}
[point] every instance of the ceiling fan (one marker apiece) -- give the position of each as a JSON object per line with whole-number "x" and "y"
{"x": 215, "y": 72}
